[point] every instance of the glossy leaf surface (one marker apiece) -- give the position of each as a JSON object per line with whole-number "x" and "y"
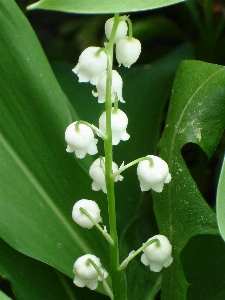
{"x": 102, "y": 6}
{"x": 196, "y": 115}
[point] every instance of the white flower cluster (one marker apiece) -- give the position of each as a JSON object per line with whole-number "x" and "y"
{"x": 158, "y": 255}
{"x": 92, "y": 67}
{"x": 152, "y": 171}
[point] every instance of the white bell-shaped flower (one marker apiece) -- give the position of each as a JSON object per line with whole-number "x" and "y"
{"x": 97, "y": 173}
{"x": 120, "y": 32}
{"x": 119, "y": 122}
{"x": 80, "y": 139}
{"x": 127, "y": 51}
{"x": 153, "y": 175}
{"x": 80, "y": 218}
{"x": 158, "y": 255}
{"x": 117, "y": 85}
{"x": 85, "y": 273}
{"x": 90, "y": 65}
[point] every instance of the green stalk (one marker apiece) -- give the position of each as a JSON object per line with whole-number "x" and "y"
{"x": 134, "y": 162}
{"x": 135, "y": 253}
{"x": 105, "y": 284}
{"x": 103, "y": 231}
{"x": 118, "y": 284}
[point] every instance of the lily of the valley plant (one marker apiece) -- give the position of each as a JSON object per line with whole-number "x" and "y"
{"x": 95, "y": 66}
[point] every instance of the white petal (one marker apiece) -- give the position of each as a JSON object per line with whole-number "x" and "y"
{"x": 127, "y": 51}
{"x": 90, "y": 65}
{"x": 158, "y": 256}
{"x": 144, "y": 260}
{"x": 91, "y": 207}
{"x": 154, "y": 267}
{"x": 79, "y": 281}
{"x": 92, "y": 284}
{"x": 121, "y": 29}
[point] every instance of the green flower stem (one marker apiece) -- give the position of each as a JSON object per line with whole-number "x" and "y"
{"x": 99, "y": 51}
{"x": 130, "y": 35}
{"x": 105, "y": 284}
{"x": 93, "y": 127}
{"x": 134, "y": 253}
{"x": 136, "y": 161}
{"x": 118, "y": 284}
{"x": 103, "y": 231}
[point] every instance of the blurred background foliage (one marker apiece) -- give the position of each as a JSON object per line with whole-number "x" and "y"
{"x": 201, "y": 23}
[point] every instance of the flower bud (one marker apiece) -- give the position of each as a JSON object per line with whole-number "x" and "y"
{"x": 85, "y": 273}
{"x": 153, "y": 175}
{"x": 80, "y": 139}
{"x": 158, "y": 254}
{"x": 80, "y": 218}
{"x": 90, "y": 65}
{"x": 97, "y": 173}
{"x": 120, "y": 32}
{"x": 127, "y": 51}
{"x": 119, "y": 122}
{"x": 117, "y": 85}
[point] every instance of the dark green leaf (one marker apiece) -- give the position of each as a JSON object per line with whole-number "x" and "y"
{"x": 196, "y": 115}
{"x": 34, "y": 280}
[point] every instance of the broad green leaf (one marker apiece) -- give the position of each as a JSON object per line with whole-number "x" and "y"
{"x": 31, "y": 279}
{"x": 100, "y": 6}
{"x": 220, "y": 202}
{"x": 39, "y": 181}
{"x": 196, "y": 115}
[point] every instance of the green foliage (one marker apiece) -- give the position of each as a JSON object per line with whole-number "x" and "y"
{"x": 40, "y": 182}
{"x": 32, "y": 279}
{"x": 196, "y": 115}
{"x": 101, "y": 6}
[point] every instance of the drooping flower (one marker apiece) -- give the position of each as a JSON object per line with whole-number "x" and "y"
{"x": 80, "y": 139}
{"x": 158, "y": 255}
{"x": 80, "y": 218}
{"x": 85, "y": 273}
{"x": 127, "y": 51}
{"x": 119, "y": 122}
{"x": 117, "y": 85}
{"x": 153, "y": 175}
{"x": 90, "y": 65}
{"x": 97, "y": 173}
{"x": 120, "y": 32}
